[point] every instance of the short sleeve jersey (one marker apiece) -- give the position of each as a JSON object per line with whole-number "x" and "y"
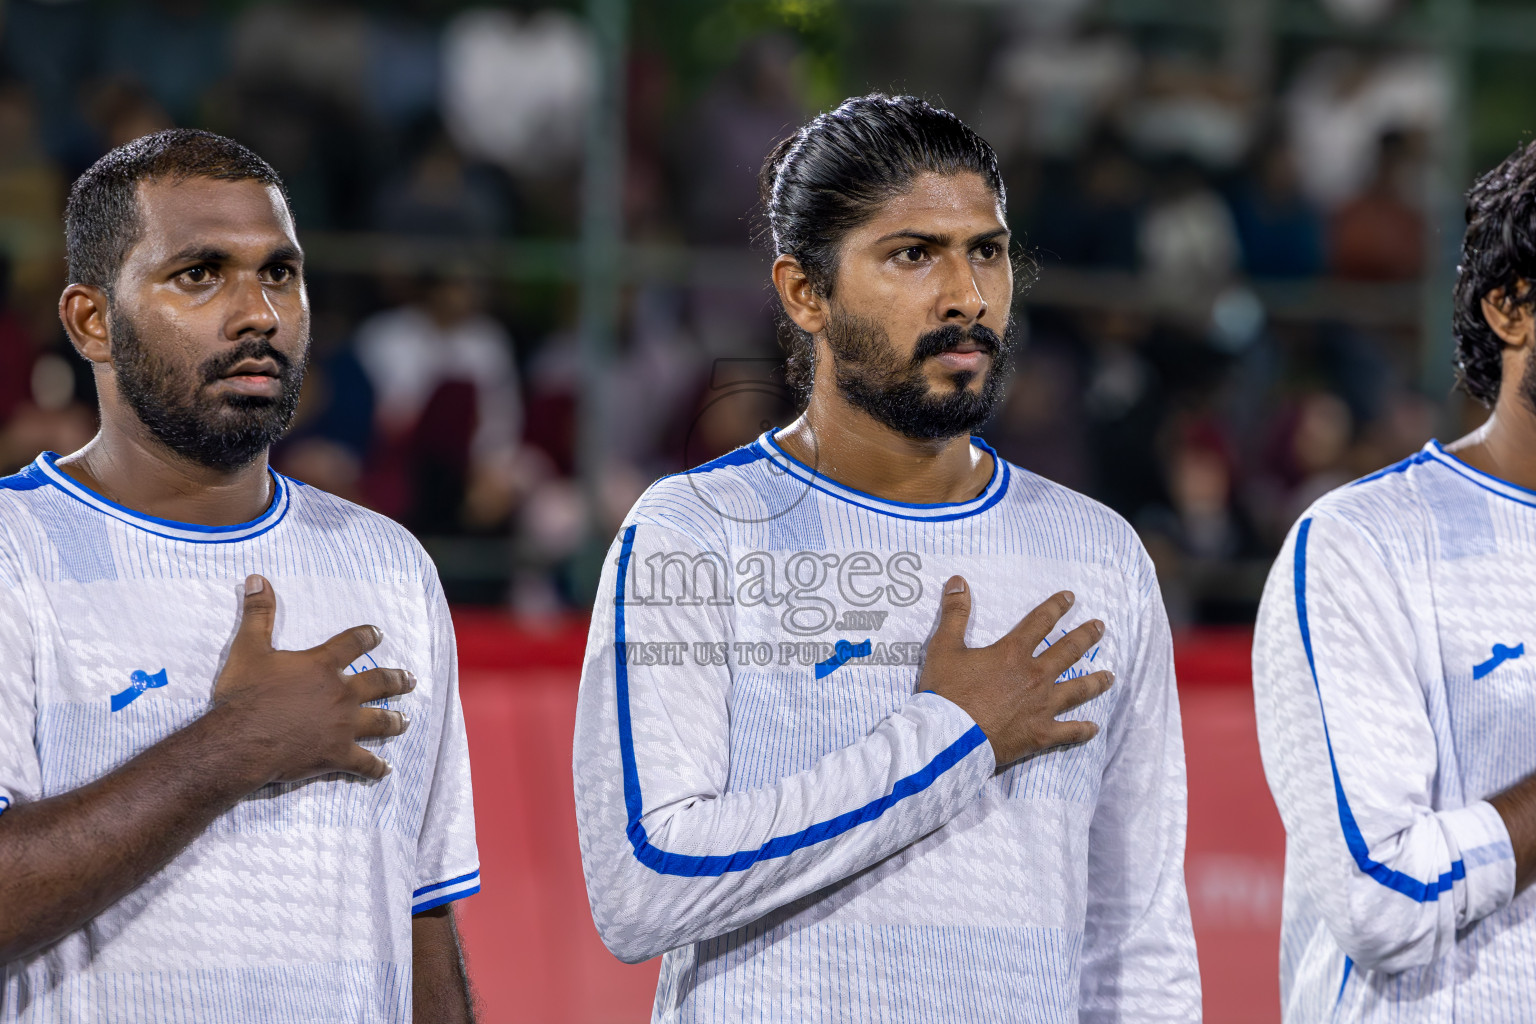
{"x": 295, "y": 904}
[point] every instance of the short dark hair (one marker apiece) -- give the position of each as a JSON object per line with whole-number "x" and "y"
{"x": 101, "y": 218}
{"x": 834, "y": 173}
{"x": 1498, "y": 252}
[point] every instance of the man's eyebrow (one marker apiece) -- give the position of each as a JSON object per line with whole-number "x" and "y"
{"x": 940, "y": 240}
{"x": 199, "y": 253}
{"x": 286, "y": 254}
{"x": 921, "y": 236}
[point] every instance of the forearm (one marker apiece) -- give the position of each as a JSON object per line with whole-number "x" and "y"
{"x": 440, "y": 985}
{"x": 1394, "y": 879}
{"x": 696, "y": 867}
{"x": 65, "y": 859}
{"x": 1336, "y": 667}
{"x": 1517, "y": 807}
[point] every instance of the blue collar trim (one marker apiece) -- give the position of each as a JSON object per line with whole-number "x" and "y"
{"x": 1503, "y": 488}
{"x": 47, "y": 465}
{"x": 937, "y": 512}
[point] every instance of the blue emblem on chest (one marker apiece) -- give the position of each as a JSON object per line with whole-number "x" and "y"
{"x": 1501, "y": 654}
{"x": 139, "y": 682}
{"x": 840, "y": 654}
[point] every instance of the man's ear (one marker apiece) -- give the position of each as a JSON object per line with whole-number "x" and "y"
{"x": 83, "y": 310}
{"x": 1512, "y": 321}
{"x": 807, "y": 309}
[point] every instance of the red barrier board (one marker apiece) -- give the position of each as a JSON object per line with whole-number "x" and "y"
{"x": 534, "y": 955}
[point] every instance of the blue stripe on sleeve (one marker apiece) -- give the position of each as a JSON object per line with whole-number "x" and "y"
{"x": 435, "y": 895}
{"x": 1411, "y": 887}
{"x": 447, "y": 897}
{"x": 443, "y": 885}
{"x": 688, "y": 865}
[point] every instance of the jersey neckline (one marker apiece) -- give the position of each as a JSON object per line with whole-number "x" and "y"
{"x": 46, "y": 465}
{"x": 991, "y": 494}
{"x": 1488, "y": 481}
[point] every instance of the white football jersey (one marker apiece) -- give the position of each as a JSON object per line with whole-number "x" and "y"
{"x": 764, "y": 797}
{"x": 296, "y": 903}
{"x": 1394, "y": 674}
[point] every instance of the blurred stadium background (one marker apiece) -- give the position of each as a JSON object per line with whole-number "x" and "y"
{"x": 530, "y": 233}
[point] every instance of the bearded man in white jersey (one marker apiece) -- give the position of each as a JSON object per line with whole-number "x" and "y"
{"x": 819, "y": 761}
{"x": 1395, "y": 683}
{"x": 208, "y": 810}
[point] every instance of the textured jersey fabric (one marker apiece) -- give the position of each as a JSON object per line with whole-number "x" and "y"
{"x": 1395, "y": 682}
{"x": 764, "y": 798}
{"x": 296, "y": 904}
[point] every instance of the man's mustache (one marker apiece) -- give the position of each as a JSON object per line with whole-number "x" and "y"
{"x": 951, "y": 336}
{"x": 218, "y": 367}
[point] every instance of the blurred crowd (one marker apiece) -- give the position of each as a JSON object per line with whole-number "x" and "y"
{"x": 446, "y": 385}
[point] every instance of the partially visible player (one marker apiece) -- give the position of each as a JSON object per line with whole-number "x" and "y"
{"x": 1395, "y": 681}
{"x": 200, "y": 822}
{"x": 818, "y": 757}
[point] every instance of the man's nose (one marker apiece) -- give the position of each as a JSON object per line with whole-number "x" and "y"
{"x": 961, "y": 299}
{"x": 251, "y": 311}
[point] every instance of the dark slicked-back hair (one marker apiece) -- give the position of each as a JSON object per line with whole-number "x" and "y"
{"x": 1499, "y": 252}
{"x": 101, "y": 219}
{"x": 834, "y": 173}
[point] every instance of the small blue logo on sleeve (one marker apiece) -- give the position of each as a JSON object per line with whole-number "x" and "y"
{"x": 139, "y": 682}
{"x": 840, "y": 654}
{"x": 1501, "y": 654}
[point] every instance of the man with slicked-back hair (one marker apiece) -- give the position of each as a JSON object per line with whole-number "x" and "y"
{"x": 873, "y": 725}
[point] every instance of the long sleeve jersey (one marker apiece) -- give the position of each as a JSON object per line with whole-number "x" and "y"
{"x": 1395, "y": 683}
{"x": 764, "y": 797}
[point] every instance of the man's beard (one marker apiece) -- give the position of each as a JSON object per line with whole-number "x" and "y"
{"x": 223, "y": 433}
{"x": 898, "y": 394}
